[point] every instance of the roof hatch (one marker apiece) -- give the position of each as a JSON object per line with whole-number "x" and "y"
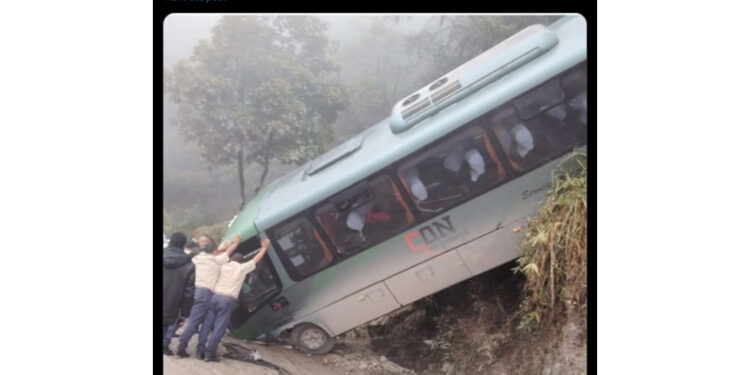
{"x": 335, "y": 154}
{"x": 480, "y": 71}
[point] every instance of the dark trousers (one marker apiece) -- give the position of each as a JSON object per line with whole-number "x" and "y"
{"x": 201, "y": 304}
{"x": 169, "y": 333}
{"x": 218, "y": 319}
{"x": 165, "y": 328}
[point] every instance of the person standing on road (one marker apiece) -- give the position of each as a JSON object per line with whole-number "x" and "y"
{"x": 207, "y": 265}
{"x": 191, "y": 249}
{"x": 224, "y": 299}
{"x": 178, "y": 284}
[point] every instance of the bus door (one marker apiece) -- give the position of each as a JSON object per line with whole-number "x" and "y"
{"x": 257, "y": 306}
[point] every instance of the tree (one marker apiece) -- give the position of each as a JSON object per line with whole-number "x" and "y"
{"x": 446, "y": 42}
{"x": 261, "y": 89}
{"x": 379, "y": 71}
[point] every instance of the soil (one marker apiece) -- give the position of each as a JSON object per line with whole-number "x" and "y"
{"x": 465, "y": 329}
{"x": 343, "y": 359}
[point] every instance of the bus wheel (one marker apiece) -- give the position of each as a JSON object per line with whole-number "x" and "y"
{"x": 312, "y": 339}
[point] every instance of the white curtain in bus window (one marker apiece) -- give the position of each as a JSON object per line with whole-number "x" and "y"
{"x": 574, "y": 84}
{"x": 301, "y": 248}
{"x": 545, "y": 122}
{"x": 452, "y": 171}
{"x": 364, "y": 215}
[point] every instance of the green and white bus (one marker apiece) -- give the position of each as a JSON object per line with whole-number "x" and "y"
{"x": 435, "y": 194}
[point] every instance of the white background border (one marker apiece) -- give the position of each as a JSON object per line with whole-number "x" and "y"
{"x": 76, "y": 198}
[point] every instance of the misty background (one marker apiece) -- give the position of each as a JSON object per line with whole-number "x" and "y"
{"x": 369, "y": 63}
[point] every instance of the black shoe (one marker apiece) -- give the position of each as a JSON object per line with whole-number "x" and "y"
{"x": 201, "y": 355}
{"x": 182, "y": 353}
{"x": 166, "y": 351}
{"x": 211, "y": 359}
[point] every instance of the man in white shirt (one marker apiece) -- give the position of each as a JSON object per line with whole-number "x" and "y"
{"x": 207, "y": 266}
{"x": 224, "y": 299}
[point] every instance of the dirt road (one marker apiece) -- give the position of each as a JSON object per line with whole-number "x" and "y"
{"x": 339, "y": 362}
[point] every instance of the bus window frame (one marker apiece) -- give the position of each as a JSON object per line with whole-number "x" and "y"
{"x": 483, "y": 122}
{"x": 385, "y": 172}
{"x": 391, "y": 170}
{"x": 289, "y": 267}
{"x": 511, "y": 104}
{"x": 464, "y": 130}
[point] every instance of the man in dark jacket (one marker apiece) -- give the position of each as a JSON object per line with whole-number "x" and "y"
{"x": 179, "y": 283}
{"x": 191, "y": 249}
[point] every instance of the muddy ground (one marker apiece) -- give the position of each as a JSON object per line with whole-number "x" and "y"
{"x": 343, "y": 359}
{"x": 465, "y": 329}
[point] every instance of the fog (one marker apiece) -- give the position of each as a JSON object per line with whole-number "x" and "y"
{"x": 381, "y": 60}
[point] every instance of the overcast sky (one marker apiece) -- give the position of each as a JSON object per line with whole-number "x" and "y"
{"x": 182, "y": 31}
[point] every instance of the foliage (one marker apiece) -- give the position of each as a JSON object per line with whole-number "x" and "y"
{"x": 553, "y": 254}
{"x": 262, "y": 89}
{"x": 216, "y": 231}
{"x": 243, "y": 65}
{"x": 166, "y": 221}
{"x": 446, "y": 42}
{"x": 185, "y": 219}
{"x": 378, "y": 71}
{"x": 188, "y": 187}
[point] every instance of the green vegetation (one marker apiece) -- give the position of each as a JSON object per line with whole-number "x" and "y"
{"x": 261, "y": 89}
{"x": 264, "y": 94}
{"x": 523, "y": 318}
{"x": 216, "y": 231}
{"x": 554, "y": 253}
{"x": 446, "y": 42}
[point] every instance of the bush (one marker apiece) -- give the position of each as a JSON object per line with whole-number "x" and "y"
{"x": 216, "y": 231}
{"x": 553, "y": 254}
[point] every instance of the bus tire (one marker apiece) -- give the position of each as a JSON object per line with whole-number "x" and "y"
{"x": 312, "y": 339}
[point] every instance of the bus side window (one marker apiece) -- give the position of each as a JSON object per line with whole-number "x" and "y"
{"x": 301, "y": 248}
{"x": 452, "y": 171}
{"x": 574, "y": 84}
{"x": 364, "y": 215}
{"x": 557, "y": 121}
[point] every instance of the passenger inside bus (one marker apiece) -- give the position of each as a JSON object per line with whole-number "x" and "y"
{"x": 451, "y": 172}
{"x": 416, "y": 186}
{"x": 578, "y": 105}
{"x": 364, "y": 215}
{"x": 556, "y": 122}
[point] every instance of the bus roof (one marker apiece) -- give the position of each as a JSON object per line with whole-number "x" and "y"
{"x": 378, "y": 147}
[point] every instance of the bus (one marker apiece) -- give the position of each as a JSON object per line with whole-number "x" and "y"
{"x": 437, "y": 193}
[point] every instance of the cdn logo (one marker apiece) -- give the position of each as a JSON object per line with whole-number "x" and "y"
{"x": 428, "y": 234}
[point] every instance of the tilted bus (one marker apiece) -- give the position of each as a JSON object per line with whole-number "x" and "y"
{"x": 437, "y": 193}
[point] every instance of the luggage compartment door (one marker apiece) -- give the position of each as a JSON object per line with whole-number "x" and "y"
{"x": 494, "y": 249}
{"x": 427, "y": 278}
{"x": 359, "y": 308}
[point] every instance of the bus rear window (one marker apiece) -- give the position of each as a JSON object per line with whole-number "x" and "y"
{"x": 364, "y": 215}
{"x": 301, "y": 248}
{"x": 452, "y": 171}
